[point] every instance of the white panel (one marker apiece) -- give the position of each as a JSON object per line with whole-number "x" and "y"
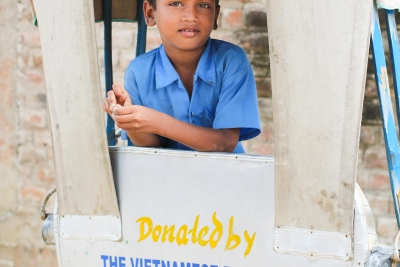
{"x": 84, "y": 179}
{"x": 90, "y": 228}
{"x": 312, "y": 244}
{"x": 318, "y": 54}
{"x": 172, "y": 188}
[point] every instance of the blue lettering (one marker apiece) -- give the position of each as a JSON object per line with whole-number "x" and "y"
{"x": 104, "y": 258}
{"x": 146, "y": 263}
{"x": 132, "y": 264}
{"x": 195, "y": 265}
{"x": 121, "y": 261}
{"x": 156, "y": 262}
{"x": 113, "y": 264}
{"x": 164, "y": 265}
{"x": 205, "y": 265}
{"x": 183, "y": 264}
{"x": 214, "y": 266}
{"x": 175, "y": 264}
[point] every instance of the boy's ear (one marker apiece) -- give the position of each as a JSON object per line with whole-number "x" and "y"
{"x": 148, "y": 11}
{"x": 216, "y": 17}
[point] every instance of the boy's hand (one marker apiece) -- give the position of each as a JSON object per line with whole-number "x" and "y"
{"x": 118, "y": 96}
{"x": 136, "y": 119}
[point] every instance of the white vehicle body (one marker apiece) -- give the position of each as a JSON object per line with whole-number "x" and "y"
{"x": 174, "y": 208}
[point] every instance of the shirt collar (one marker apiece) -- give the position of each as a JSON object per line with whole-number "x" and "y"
{"x": 206, "y": 66}
{"x": 166, "y": 73}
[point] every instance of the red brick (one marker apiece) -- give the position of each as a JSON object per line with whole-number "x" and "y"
{"x": 43, "y": 138}
{"x": 231, "y": 18}
{"x": 264, "y": 88}
{"x": 37, "y": 60}
{"x": 22, "y": 61}
{"x": 6, "y": 254}
{"x": 47, "y": 257}
{"x": 7, "y": 153}
{"x": 381, "y": 182}
{"x": 391, "y": 206}
{"x": 153, "y": 40}
{"x": 34, "y": 119}
{"x": 387, "y": 227}
{"x": 363, "y": 179}
{"x": 360, "y": 157}
{"x": 31, "y": 37}
{"x": 5, "y": 69}
{"x": 5, "y": 124}
{"x": 379, "y": 204}
{"x": 26, "y": 257}
{"x": 30, "y": 154}
{"x": 224, "y": 35}
{"x": 50, "y": 156}
{"x": 374, "y": 158}
{"x": 32, "y": 192}
{"x": 370, "y": 88}
{"x": 46, "y": 175}
{"x": 33, "y": 78}
{"x": 367, "y": 135}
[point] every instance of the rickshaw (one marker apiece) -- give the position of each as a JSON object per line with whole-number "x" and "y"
{"x": 133, "y": 206}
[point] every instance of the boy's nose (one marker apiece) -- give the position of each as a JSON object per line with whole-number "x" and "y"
{"x": 190, "y": 14}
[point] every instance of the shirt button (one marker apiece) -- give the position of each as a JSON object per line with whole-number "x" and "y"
{"x": 191, "y": 113}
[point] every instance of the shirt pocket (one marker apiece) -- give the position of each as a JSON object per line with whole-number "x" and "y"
{"x": 209, "y": 114}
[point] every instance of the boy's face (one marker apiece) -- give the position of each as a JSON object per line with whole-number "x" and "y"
{"x": 183, "y": 24}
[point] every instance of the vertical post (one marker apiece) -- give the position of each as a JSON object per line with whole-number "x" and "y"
{"x": 141, "y": 31}
{"x": 140, "y": 39}
{"x": 388, "y": 123}
{"x": 393, "y": 39}
{"x": 317, "y": 138}
{"x": 108, "y": 71}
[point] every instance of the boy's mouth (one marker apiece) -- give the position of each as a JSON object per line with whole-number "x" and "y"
{"x": 189, "y": 32}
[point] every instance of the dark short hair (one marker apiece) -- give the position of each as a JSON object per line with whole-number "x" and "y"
{"x": 153, "y": 3}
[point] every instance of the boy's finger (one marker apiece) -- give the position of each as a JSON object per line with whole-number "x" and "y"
{"x": 111, "y": 98}
{"x": 119, "y": 91}
{"x": 122, "y": 118}
{"x": 112, "y": 106}
{"x": 105, "y": 106}
{"x": 120, "y": 110}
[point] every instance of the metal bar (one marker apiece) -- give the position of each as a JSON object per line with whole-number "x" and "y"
{"x": 394, "y": 54}
{"x": 388, "y": 123}
{"x": 141, "y": 31}
{"x": 108, "y": 71}
{"x": 140, "y": 38}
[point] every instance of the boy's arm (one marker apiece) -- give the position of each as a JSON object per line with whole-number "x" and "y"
{"x": 137, "y": 120}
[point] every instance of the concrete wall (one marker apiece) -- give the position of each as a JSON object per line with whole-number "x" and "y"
{"x": 26, "y": 163}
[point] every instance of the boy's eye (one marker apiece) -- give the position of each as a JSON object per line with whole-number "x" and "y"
{"x": 204, "y": 5}
{"x": 175, "y": 4}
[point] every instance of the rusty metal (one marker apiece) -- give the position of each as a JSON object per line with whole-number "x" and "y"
{"x": 43, "y": 214}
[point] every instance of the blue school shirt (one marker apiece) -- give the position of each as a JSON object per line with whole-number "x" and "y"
{"x": 224, "y": 92}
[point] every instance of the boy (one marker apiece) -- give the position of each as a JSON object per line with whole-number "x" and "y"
{"x": 190, "y": 93}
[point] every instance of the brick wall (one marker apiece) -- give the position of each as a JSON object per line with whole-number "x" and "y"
{"x": 26, "y": 162}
